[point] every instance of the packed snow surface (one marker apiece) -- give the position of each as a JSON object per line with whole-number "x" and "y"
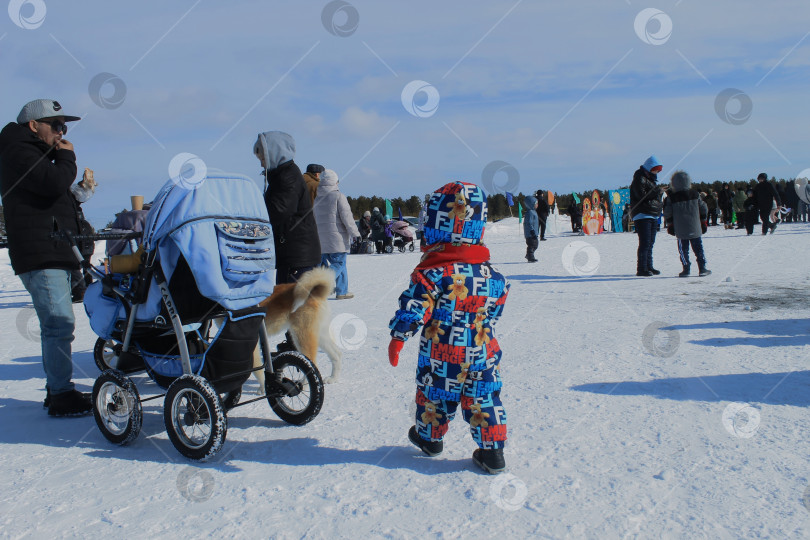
{"x": 637, "y": 408}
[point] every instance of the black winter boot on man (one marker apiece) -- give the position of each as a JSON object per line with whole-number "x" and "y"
{"x": 72, "y": 403}
{"x": 490, "y": 460}
{"x": 643, "y": 273}
{"x": 685, "y": 272}
{"x": 704, "y": 271}
{"x": 654, "y": 271}
{"x": 431, "y": 448}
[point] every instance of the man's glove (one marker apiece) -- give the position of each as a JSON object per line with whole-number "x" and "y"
{"x": 704, "y": 226}
{"x": 393, "y": 351}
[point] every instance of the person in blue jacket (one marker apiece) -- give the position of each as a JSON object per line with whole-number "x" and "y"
{"x": 531, "y": 227}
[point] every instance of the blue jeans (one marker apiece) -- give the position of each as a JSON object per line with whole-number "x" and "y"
{"x": 50, "y": 292}
{"x": 646, "y": 229}
{"x": 337, "y": 262}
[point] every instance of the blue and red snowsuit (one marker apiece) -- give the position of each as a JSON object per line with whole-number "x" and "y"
{"x": 456, "y": 305}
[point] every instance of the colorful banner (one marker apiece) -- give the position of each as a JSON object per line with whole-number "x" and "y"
{"x": 619, "y": 198}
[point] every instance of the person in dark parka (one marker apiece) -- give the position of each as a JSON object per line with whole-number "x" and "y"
{"x": 37, "y": 168}
{"x": 765, "y": 195}
{"x": 542, "y": 212}
{"x": 378, "y": 230}
{"x": 645, "y": 208}
{"x": 289, "y": 205}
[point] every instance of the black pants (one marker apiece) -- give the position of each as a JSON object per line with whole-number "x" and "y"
{"x": 286, "y": 274}
{"x": 646, "y": 229}
{"x": 765, "y": 216}
{"x": 542, "y": 228}
{"x": 531, "y": 247}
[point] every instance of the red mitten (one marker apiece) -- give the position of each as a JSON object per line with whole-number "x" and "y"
{"x": 704, "y": 226}
{"x": 393, "y": 351}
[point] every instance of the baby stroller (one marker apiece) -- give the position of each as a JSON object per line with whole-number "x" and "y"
{"x": 188, "y": 318}
{"x": 401, "y": 235}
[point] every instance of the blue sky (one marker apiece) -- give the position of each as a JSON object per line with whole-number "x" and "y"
{"x": 573, "y": 95}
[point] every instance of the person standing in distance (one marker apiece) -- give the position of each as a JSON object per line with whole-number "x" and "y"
{"x": 645, "y": 207}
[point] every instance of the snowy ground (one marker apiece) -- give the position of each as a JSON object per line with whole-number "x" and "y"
{"x": 638, "y": 407}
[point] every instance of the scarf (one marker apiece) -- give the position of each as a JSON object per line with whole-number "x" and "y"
{"x": 444, "y": 254}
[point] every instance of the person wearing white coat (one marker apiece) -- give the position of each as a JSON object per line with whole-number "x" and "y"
{"x": 336, "y": 228}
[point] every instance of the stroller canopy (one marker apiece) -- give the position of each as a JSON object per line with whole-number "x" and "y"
{"x": 221, "y": 227}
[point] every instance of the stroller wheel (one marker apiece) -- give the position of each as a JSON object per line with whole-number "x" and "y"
{"x": 410, "y": 247}
{"x": 402, "y": 249}
{"x": 103, "y": 353}
{"x": 117, "y": 407}
{"x": 194, "y": 417}
{"x": 295, "y": 391}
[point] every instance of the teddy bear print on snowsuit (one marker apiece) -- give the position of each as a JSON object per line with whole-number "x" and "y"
{"x": 433, "y": 331}
{"x": 431, "y": 416}
{"x": 457, "y": 289}
{"x": 478, "y": 417}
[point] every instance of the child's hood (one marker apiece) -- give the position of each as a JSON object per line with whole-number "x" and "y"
{"x": 529, "y": 202}
{"x": 456, "y": 214}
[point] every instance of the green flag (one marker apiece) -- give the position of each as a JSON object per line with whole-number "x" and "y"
{"x": 520, "y": 213}
{"x": 389, "y": 209}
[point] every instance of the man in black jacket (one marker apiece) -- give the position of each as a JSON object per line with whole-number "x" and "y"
{"x": 37, "y": 168}
{"x": 765, "y": 194}
{"x": 542, "y": 212}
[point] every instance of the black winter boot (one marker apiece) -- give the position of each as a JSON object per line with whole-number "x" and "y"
{"x": 431, "y": 448}
{"x": 71, "y": 403}
{"x": 644, "y": 273}
{"x": 704, "y": 271}
{"x": 685, "y": 272}
{"x": 490, "y": 460}
{"x": 654, "y": 271}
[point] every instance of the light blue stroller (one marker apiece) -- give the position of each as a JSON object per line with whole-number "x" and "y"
{"x": 189, "y": 318}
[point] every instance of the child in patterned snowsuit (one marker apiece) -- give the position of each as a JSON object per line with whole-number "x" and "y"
{"x": 456, "y": 297}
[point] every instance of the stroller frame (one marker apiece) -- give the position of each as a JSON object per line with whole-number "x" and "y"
{"x": 191, "y": 402}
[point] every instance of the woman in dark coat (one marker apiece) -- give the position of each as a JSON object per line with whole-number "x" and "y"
{"x": 378, "y": 229}
{"x": 645, "y": 208}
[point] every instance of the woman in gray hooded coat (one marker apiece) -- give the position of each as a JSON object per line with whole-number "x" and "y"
{"x": 336, "y": 229}
{"x": 686, "y": 216}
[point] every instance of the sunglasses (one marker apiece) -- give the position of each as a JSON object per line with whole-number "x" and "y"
{"x": 56, "y": 125}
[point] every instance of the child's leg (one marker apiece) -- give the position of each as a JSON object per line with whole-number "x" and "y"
{"x": 697, "y": 247}
{"x": 683, "y": 251}
{"x": 433, "y": 417}
{"x": 487, "y": 419}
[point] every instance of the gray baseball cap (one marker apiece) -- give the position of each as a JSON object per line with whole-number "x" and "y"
{"x": 43, "y": 108}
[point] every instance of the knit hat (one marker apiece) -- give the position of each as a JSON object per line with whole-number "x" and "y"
{"x": 43, "y": 108}
{"x": 366, "y": 214}
{"x": 457, "y": 214}
{"x": 315, "y": 168}
{"x": 762, "y": 176}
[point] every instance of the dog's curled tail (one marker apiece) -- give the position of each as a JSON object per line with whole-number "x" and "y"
{"x": 318, "y": 283}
